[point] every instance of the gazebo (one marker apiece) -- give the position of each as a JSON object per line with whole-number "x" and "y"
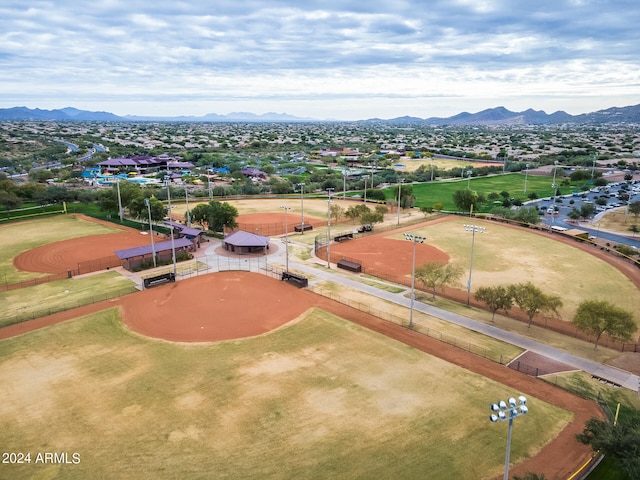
{"x": 245, "y": 242}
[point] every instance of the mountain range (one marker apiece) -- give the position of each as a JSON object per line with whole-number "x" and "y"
{"x": 491, "y": 116}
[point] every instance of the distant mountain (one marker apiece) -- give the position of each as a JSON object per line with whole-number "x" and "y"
{"x": 502, "y": 116}
{"x": 230, "y": 117}
{"x": 490, "y": 116}
{"x": 64, "y": 114}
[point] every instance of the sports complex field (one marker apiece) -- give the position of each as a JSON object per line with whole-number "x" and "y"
{"x": 238, "y": 375}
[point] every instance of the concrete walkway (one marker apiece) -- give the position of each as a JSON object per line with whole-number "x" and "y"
{"x": 340, "y": 277}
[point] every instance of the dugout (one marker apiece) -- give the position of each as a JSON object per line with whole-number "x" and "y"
{"x": 132, "y": 258}
{"x": 182, "y": 231}
{"x": 245, "y": 242}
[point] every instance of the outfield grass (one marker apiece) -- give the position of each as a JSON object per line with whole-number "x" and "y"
{"x": 504, "y": 255}
{"x": 16, "y": 238}
{"x": 319, "y": 398}
{"x": 428, "y": 194}
{"x": 51, "y": 297}
{"x": 434, "y": 327}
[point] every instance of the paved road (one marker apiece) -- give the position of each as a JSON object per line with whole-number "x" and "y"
{"x": 606, "y": 372}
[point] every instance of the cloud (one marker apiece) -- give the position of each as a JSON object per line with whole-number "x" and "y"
{"x": 350, "y": 55}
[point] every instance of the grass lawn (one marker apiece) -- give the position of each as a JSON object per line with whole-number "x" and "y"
{"x": 617, "y": 220}
{"x": 465, "y": 339}
{"x": 16, "y": 238}
{"x": 428, "y": 194}
{"x": 319, "y": 398}
{"x": 40, "y": 300}
{"x": 504, "y": 255}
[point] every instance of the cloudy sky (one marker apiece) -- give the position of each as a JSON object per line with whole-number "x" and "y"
{"x": 339, "y": 59}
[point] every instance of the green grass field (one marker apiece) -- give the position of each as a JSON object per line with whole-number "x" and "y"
{"x": 319, "y": 398}
{"x": 428, "y": 194}
{"x": 16, "y": 238}
{"x": 51, "y": 297}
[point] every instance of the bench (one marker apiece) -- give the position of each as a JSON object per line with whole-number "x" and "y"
{"x": 344, "y": 236}
{"x": 159, "y": 280}
{"x": 303, "y": 228}
{"x": 349, "y": 265}
{"x": 295, "y": 279}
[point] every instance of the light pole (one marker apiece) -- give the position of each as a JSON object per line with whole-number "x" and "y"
{"x": 473, "y": 229}
{"x": 301, "y": 185}
{"x": 399, "y": 190}
{"x": 469, "y": 172}
{"x": 119, "y": 199}
{"x": 286, "y": 235}
{"x": 153, "y": 246}
{"x": 329, "y": 190}
{"x": 553, "y": 185}
{"x": 365, "y": 190}
{"x": 526, "y": 174}
{"x": 372, "y": 170}
{"x": 344, "y": 183}
{"x": 504, "y": 411}
{"x": 209, "y": 187}
{"x": 415, "y": 239}
{"x": 432, "y": 168}
{"x": 186, "y": 196}
{"x": 167, "y": 180}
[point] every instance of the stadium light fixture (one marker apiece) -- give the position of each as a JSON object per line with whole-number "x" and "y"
{"x": 473, "y": 229}
{"x": 415, "y": 239}
{"x": 507, "y": 411}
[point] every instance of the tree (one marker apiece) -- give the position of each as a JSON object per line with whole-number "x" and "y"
{"x": 382, "y": 210}
{"x": 426, "y": 210}
{"x": 138, "y": 209}
{"x": 634, "y": 209}
{"x": 587, "y": 209}
{"x": 354, "y": 212}
{"x": 599, "y": 316}
{"x": 108, "y": 200}
{"x": 531, "y": 300}
{"x": 465, "y": 199}
{"x": 495, "y": 298}
{"x": 621, "y": 442}
{"x": 215, "y": 215}
{"x": 407, "y": 199}
{"x": 369, "y": 218}
{"x": 336, "y": 211}
{"x": 437, "y": 275}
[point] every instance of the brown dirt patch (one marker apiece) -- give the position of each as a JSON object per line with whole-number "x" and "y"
{"x": 389, "y": 256}
{"x": 271, "y": 224}
{"x": 544, "y": 365}
{"x": 237, "y": 305}
{"x": 61, "y": 256}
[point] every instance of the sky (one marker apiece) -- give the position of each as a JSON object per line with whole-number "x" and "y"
{"x": 329, "y": 59}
